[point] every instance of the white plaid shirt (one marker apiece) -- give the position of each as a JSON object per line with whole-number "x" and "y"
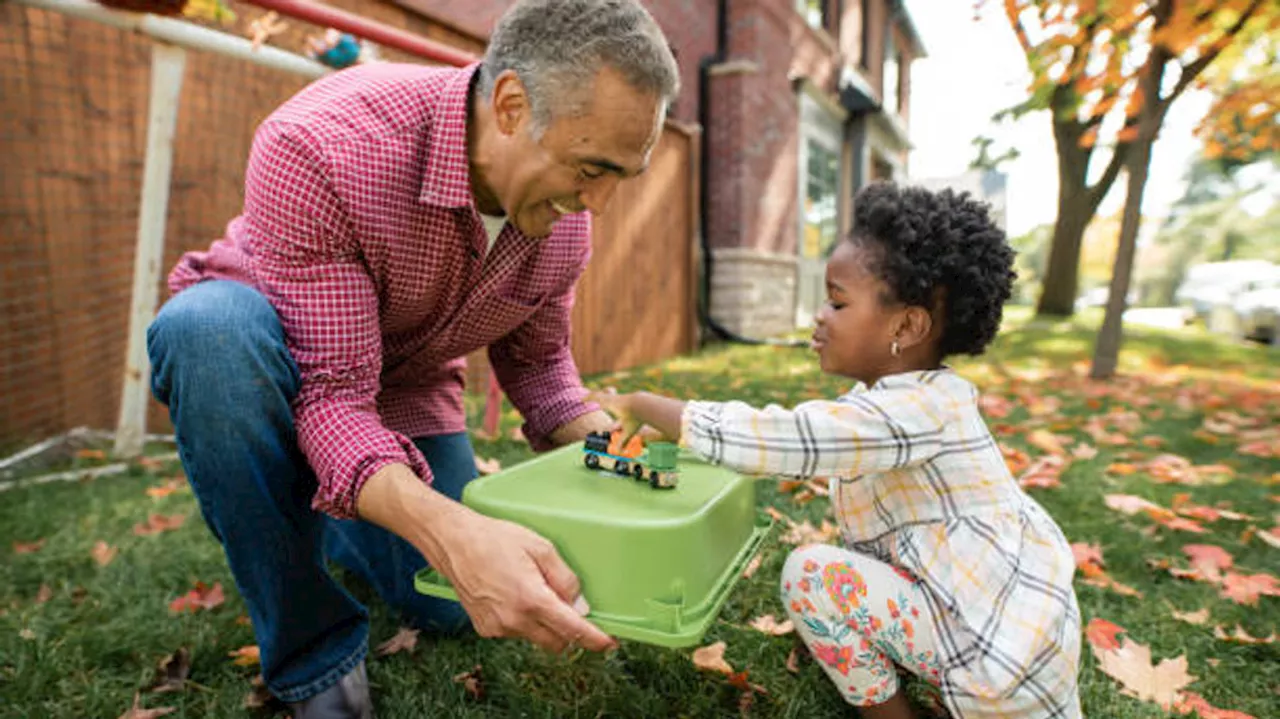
{"x": 918, "y": 481}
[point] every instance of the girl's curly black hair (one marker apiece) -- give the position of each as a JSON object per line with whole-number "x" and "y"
{"x": 938, "y": 246}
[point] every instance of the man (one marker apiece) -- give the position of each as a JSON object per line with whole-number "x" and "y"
{"x": 396, "y": 218}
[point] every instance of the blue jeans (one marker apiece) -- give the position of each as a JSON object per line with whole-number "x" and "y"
{"x": 221, "y": 366}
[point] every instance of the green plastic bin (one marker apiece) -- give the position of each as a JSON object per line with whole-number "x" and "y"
{"x": 656, "y": 565}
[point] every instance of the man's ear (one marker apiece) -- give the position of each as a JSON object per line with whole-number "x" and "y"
{"x": 913, "y": 327}
{"x": 510, "y": 102}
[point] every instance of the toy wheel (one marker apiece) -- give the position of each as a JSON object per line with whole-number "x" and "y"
{"x": 592, "y": 461}
{"x": 638, "y": 471}
{"x": 622, "y": 468}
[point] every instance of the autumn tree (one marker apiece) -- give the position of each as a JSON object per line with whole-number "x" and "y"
{"x": 1088, "y": 60}
{"x": 1183, "y": 38}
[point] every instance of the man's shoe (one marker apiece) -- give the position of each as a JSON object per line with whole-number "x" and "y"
{"x": 348, "y": 699}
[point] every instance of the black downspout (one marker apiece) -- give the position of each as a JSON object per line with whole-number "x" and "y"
{"x": 704, "y": 193}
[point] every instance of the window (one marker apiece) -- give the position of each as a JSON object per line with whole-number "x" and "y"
{"x": 891, "y": 77}
{"x": 821, "y": 194}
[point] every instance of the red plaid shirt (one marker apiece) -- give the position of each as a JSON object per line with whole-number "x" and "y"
{"x": 359, "y": 228}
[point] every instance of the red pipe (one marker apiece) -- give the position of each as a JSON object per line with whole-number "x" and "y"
{"x": 341, "y": 20}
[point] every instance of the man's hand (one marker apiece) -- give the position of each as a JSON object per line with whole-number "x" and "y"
{"x": 652, "y": 416}
{"x": 619, "y": 406}
{"x": 576, "y": 429}
{"x": 510, "y": 581}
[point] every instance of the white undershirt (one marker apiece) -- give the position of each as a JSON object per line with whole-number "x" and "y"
{"x": 493, "y": 226}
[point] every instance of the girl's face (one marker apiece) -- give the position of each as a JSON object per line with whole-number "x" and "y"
{"x": 856, "y": 328}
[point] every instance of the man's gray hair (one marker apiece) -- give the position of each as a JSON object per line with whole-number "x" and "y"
{"x": 556, "y": 48}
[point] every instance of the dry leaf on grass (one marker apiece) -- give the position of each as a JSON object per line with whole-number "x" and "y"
{"x": 1199, "y": 618}
{"x": 1131, "y": 666}
{"x": 1240, "y": 636}
{"x": 1101, "y": 634}
{"x": 488, "y": 466}
{"x": 172, "y": 672}
{"x": 1044, "y": 473}
{"x": 471, "y": 682}
{"x": 1089, "y": 561}
{"x": 751, "y": 567}
{"x": 44, "y": 594}
{"x": 1084, "y": 451}
{"x": 793, "y": 660}
{"x": 28, "y": 547}
{"x": 1246, "y": 588}
{"x": 711, "y": 659}
{"x": 404, "y": 640}
{"x": 1046, "y": 441}
{"x": 137, "y": 712}
{"x": 103, "y": 553}
{"x": 158, "y": 523}
{"x": 246, "y": 656}
{"x": 1208, "y": 560}
{"x": 768, "y": 625}
{"x": 1190, "y": 702}
{"x": 201, "y": 597}
{"x": 171, "y": 485}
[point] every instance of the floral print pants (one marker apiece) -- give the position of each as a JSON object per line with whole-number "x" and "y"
{"x": 859, "y": 617}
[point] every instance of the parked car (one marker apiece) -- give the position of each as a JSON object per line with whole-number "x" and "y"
{"x": 1258, "y": 315}
{"x": 1217, "y": 284}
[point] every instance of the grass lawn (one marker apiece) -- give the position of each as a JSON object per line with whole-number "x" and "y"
{"x": 78, "y": 639}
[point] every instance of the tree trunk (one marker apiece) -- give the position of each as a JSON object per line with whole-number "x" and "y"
{"x": 1106, "y": 352}
{"x": 1062, "y": 271}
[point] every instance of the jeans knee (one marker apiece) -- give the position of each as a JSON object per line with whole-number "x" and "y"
{"x": 215, "y": 332}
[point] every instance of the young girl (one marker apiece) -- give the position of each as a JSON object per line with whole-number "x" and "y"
{"x": 946, "y": 569}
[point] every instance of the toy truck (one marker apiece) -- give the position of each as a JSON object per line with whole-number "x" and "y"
{"x": 655, "y": 462}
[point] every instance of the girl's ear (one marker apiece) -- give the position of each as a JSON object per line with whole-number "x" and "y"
{"x": 914, "y": 325}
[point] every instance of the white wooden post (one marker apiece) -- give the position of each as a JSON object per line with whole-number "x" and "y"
{"x": 168, "y": 62}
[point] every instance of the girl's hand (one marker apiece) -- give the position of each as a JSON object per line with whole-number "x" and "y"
{"x": 652, "y": 417}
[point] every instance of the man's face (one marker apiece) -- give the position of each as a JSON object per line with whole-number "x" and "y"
{"x": 579, "y": 159}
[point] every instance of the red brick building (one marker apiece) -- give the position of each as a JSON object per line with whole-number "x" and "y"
{"x": 801, "y": 102}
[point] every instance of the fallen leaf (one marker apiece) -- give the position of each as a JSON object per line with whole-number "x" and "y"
{"x": 1083, "y": 451}
{"x": 1043, "y": 473}
{"x": 1199, "y": 618}
{"x": 768, "y": 625}
{"x": 471, "y": 682}
{"x": 28, "y": 547}
{"x": 246, "y": 656}
{"x": 158, "y": 523}
{"x": 751, "y": 567}
{"x": 137, "y": 712}
{"x": 259, "y": 697}
{"x": 201, "y": 597}
{"x": 174, "y": 484}
{"x": 103, "y": 553}
{"x": 1130, "y": 504}
{"x": 995, "y": 406}
{"x": 172, "y": 672}
{"x": 1181, "y": 524}
{"x": 90, "y": 454}
{"x": 1131, "y": 666}
{"x": 793, "y": 660}
{"x": 1240, "y": 636}
{"x": 1271, "y": 536}
{"x": 44, "y": 594}
{"x": 1246, "y": 588}
{"x": 488, "y": 466}
{"x": 1086, "y": 554}
{"x": 1209, "y": 560}
{"x": 711, "y": 659}
{"x": 1101, "y": 634}
{"x": 1015, "y": 459}
{"x": 1153, "y": 441}
{"x": 516, "y": 434}
{"x": 1189, "y": 702}
{"x": 27, "y": 634}
{"x": 1046, "y": 441}
{"x": 405, "y": 640}
{"x": 1121, "y": 468}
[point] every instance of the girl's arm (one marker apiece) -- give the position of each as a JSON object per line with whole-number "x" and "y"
{"x": 862, "y": 434}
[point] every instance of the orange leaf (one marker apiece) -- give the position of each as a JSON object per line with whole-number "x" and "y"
{"x": 751, "y": 567}
{"x": 1121, "y": 468}
{"x": 711, "y": 659}
{"x": 246, "y": 656}
{"x": 201, "y": 597}
{"x": 472, "y": 682}
{"x": 488, "y": 466}
{"x": 1046, "y": 441}
{"x": 1102, "y": 634}
{"x": 1246, "y": 588}
{"x": 1086, "y": 554}
{"x": 1189, "y": 702}
{"x": 1130, "y": 504}
{"x": 1044, "y": 473}
{"x": 28, "y": 547}
{"x": 1208, "y": 559}
{"x": 103, "y": 553}
{"x": 158, "y": 523}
